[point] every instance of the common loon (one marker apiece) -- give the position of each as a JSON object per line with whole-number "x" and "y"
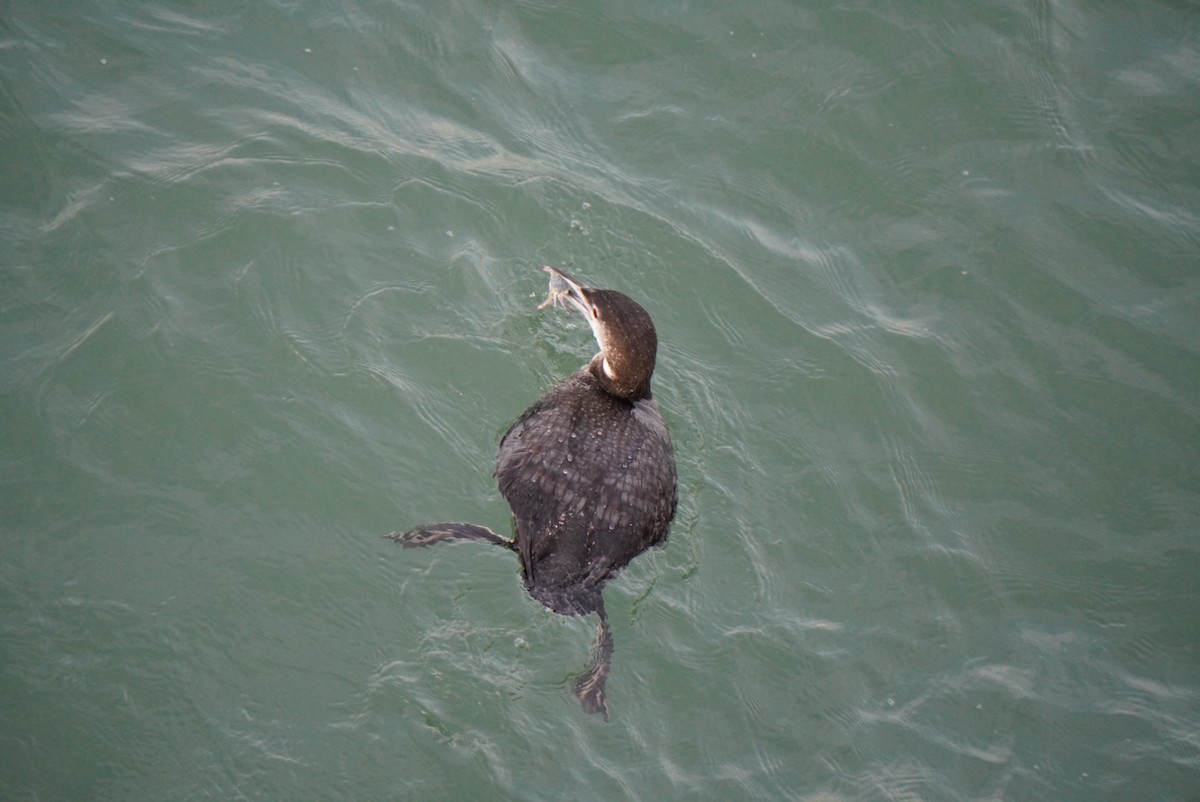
{"x": 588, "y": 471}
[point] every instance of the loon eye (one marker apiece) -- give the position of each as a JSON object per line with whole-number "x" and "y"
{"x": 596, "y": 312}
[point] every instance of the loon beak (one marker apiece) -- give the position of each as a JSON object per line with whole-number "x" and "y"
{"x": 566, "y": 288}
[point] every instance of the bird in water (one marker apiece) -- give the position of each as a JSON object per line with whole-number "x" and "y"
{"x": 588, "y": 471}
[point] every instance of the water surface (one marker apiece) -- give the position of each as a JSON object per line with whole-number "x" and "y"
{"x": 926, "y": 286}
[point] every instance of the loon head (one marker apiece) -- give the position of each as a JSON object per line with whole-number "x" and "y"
{"x": 623, "y": 330}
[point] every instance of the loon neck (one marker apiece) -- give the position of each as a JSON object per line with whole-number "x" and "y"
{"x": 630, "y": 385}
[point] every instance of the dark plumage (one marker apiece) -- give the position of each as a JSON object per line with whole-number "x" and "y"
{"x": 588, "y": 471}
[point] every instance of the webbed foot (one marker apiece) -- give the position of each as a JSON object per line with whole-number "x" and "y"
{"x": 428, "y": 534}
{"x": 589, "y": 688}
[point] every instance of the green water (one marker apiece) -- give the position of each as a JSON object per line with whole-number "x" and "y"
{"x": 927, "y": 286}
